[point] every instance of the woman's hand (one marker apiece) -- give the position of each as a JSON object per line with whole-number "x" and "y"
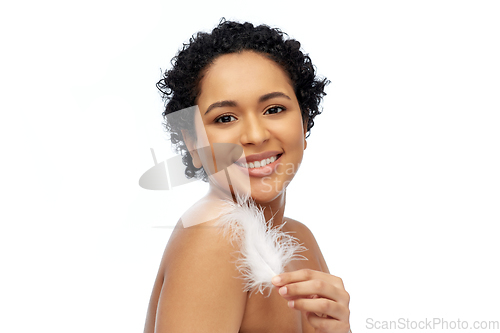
{"x": 320, "y": 295}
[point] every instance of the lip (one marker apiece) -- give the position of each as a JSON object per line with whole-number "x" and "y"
{"x": 258, "y": 157}
{"x": 266, "y": 170}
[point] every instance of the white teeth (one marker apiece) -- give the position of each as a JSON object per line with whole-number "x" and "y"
{"x": 258, "y": 164}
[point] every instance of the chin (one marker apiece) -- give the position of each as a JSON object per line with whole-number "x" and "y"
{"x": 263, "y": 190}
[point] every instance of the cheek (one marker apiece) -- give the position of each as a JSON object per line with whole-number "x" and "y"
{"x": 223, "y": 135}
{"x": 292, "y": 134}
{"x": 220, "y": 137}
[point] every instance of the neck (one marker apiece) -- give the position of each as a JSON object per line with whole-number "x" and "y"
{"x": 274, "y": 209}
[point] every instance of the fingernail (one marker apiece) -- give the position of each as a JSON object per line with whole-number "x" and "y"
{"x": 276, "y": 279}
{"x": 282, "y": 291}
{"x": 290, "y": 304}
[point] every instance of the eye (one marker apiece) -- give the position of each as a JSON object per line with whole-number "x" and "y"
{"x": 274, "y": 110}
{"x": 225, "y": 118}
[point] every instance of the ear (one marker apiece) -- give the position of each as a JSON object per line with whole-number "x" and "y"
{"x": 189, "y": 140}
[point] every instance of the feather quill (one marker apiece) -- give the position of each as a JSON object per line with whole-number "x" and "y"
{"x": 264, "y": 250}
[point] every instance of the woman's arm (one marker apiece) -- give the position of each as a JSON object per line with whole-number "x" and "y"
{"x": 201, "y": 291}
{"x": 318, "y": 294}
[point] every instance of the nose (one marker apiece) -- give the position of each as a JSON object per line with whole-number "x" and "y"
{"x": 254, "y": 131}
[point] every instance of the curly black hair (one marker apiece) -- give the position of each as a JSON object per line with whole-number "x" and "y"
{"x": 180, "y": 86}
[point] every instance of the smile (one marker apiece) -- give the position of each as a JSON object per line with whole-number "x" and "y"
{"x": 259, "y": 164}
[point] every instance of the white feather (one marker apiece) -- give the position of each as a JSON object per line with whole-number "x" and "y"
{"x": 264, "y": 251}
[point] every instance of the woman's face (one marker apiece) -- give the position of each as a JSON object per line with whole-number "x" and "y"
{"x": 247, "y": 100}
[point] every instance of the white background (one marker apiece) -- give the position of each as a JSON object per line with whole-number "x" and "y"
{"x": 400, "y": 180}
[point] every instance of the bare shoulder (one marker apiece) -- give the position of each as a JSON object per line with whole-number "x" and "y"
{"x": 300, "y": 229}
{"x": 305, "y": 235}
{"x": 200, "y": 285}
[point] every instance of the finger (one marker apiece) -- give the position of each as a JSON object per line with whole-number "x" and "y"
{"x": 320, "y": 288}
{"x": 321, "y": 306}
{"x": 327, "y": 324}
{"x": 296, "y": 276}
{"x": 304, "y": 275}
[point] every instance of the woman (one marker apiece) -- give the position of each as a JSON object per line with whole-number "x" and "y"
{"x": 256, "y": 91}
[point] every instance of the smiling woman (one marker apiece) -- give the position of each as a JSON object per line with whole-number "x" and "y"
{"x": 256, "y": 91}
{"x": 259, "y": 112}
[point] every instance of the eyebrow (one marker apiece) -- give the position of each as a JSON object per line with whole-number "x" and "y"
{"x": 275, "y": 94}
{"x": 221, "y": 104}
{"x": 262, "y": 98}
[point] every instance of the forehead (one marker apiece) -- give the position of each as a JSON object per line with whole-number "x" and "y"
{"x": 240, "y": 76}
